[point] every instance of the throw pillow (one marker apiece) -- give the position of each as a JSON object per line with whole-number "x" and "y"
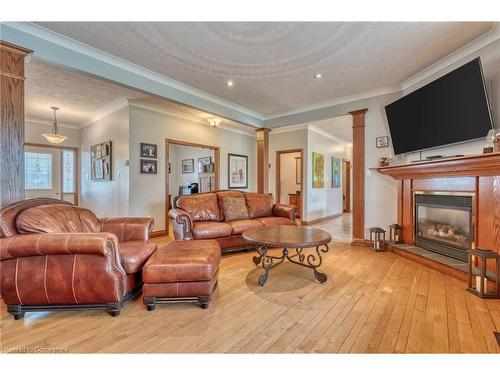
{"x": 235, "y": 208}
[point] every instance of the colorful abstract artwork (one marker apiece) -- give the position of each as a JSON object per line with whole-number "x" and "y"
{"x": 336, "y": 172}
{"x": 318, "y": 165}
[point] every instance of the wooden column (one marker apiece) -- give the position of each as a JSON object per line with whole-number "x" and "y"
{"x": 263, "y": 160}
{"x": 12, "y": 122}
{"x": 358, "y": 177}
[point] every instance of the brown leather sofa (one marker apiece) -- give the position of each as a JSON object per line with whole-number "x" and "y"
{"x": 201, "y": 217}
{"x": 56, "y": 256}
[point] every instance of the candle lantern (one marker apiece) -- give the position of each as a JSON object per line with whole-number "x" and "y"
{"x": 377, "y": 239}
{"x": 484, "y": 281}
{"x": 396, "y": 233}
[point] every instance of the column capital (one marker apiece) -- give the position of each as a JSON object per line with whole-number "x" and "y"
{"x": 359, "y": 112}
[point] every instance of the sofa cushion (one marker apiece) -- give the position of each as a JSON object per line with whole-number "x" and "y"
{"x": 275, "y": 220}
{"x": 211, "y": 229}
{"x": 235, "y": 208}
{"x": 239, "y": 226}
{"x": 183, "y": 261}
{"x": 227, "y": 193}
{"x": 57, "y": 218}
{"x": 201, "y": 207}
{"x": 259, "y": 205}
{"x": 133, "y": 254}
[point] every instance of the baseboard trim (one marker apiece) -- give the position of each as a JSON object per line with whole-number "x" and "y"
{"x": 303, "y": 222}
{"x": 159, "y": 233}
{"x": 359, "y": 242}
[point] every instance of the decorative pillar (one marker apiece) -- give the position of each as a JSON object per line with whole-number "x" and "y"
{"x": 12, "y": 122}
{"x": 358, "y": 177}
{"x": 263, "y": 160}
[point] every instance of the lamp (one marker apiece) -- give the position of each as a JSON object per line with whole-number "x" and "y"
{"x": 214, "y": 122}
{"x": 55, "y": 137}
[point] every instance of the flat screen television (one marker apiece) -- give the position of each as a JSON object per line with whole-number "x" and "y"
{"x": 452, "y": 109}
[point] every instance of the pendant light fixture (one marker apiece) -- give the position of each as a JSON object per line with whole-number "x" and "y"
{"x": 55, "y": 137}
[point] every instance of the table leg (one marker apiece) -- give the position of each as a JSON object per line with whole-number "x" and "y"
{"x": 312, "y": 261}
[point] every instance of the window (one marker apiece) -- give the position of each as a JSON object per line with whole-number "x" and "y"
{"x": 68, "y": 171}
{"x": 38, "y": 170}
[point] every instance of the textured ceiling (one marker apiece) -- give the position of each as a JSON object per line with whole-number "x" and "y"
{"x": 340, "y": 127}
{"x": 77, "y": 95}
{"x": 272, "y": 64}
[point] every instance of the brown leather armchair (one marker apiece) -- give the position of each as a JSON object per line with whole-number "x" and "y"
{"x": 56, "y": 256}
{"x": 201, "y": 217}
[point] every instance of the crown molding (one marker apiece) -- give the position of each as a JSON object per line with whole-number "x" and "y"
{"x": 40, "y": 121}
{"x": 249, "y": 133}
{"x": 288, "y": 128}
{"x": 104, "y": 111}
{"x": 342, "y": 100}
{"x": 470, "y": 48}
{"x": 327, "y": 134}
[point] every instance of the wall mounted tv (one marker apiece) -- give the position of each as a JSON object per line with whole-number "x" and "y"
{"x": 454, "y": 108}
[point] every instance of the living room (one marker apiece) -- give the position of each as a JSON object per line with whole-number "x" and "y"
{"x": 251, "y": 187}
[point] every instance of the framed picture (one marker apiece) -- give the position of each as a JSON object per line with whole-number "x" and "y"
{"x": 298, "y": 170}
{"x": 188, "y": 166}
{"x": 149, "y": 150}
{"x": 318, "y": 165}
{"x": 336, "y": 172}
{"x": 149, "y": 166}
{"x": 382, "y": 142}
{"x": 202, "y": 162}
{"x": 237, "y": 166}
{"x": 101, "y": 162}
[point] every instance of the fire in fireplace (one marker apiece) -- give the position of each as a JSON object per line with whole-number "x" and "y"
{"x": 444, "y": 223}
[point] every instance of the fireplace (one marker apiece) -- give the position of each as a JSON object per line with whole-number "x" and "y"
{"x": 444, "y": 222}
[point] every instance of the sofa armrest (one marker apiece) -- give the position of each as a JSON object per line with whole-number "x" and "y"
{"x": 284, "y": 210}
{"x": 128, "y": 228}
{"x": 183, "y": 224}
{"x": 26, "y": 245}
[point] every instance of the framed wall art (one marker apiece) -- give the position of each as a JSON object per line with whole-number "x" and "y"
{"x": 149, "y": 166}
{"x": 188, "y": 166}
{"x": 336, "y": 172}
{"x": 237, "y": 171}
{"x": 101, "y": 162}
{"x": 382, "y": 142}
{"x": 318, "y": 166}
{"x": 149, "y": 150}
{"x": 203, "y": 164}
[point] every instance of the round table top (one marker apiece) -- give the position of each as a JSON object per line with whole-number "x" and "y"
{"x": 288, "y": 236}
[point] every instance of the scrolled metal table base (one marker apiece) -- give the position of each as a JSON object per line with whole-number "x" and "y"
{"x": 269, "y": 262}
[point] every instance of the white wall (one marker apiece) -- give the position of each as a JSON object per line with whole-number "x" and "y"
{"x": 327, "y": 201}
{"x": 147, "y": 192}
{"x": 33, "y": 134}
{"x": 178, "y": 153}
{"x": 107, "y": 198}
{"x": 288, "y": 175}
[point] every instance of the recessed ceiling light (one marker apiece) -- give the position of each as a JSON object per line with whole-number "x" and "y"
{"x": 318, "y": 75}
{"x": 229, "y": 83}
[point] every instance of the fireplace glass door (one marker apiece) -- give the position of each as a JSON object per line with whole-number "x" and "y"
{"x": 444, "y": 224}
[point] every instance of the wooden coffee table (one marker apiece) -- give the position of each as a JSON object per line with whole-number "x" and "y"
{"x": 289, "y": 237}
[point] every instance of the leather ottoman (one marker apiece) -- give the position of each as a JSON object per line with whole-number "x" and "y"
{"x": 182, "y": 271}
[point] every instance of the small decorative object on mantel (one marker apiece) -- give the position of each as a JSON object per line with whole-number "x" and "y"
{"x": 377, "y": 239}
{"x": 383, "y": 162}
{"x": 487, "y": 149}
{"x": 149, "y": 150}
{"x": 395, "y": 233}
{"x": 101, "y": 162}
{"x": 495, "y": 139}
{"x": 382, "y": 142}
{"x": 479, "y": 276}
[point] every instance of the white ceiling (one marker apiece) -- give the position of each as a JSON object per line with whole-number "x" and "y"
{"x": 338, "y": 127}
{"x": 272, "y": 64}
{"x": 80, "y": 97}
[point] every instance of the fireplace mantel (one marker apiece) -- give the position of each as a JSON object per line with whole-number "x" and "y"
{"x": 474, "y": 165}
{"x": 478, "y": 175}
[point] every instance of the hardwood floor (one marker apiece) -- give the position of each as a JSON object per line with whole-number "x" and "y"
{"x": 371, "y": 303}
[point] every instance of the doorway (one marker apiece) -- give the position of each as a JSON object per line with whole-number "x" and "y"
{"x": 51, "y": 172}
{"x": 190, "y": 167}
{"x": 289, "y": 176}
{"x": 346, "y": 185}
